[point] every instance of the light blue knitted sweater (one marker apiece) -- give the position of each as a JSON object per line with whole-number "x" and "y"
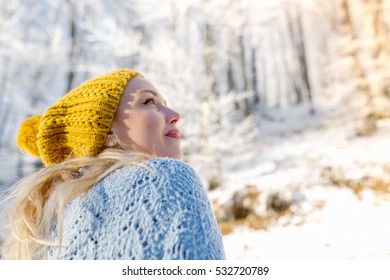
{"x": 137, "y": 213}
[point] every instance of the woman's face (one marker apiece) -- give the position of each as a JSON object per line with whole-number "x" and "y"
{"x": 144, "y": 123}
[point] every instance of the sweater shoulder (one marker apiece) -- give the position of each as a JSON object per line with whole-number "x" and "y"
{"x": 146, "y": 211}
{"x": 172, "y": 167}
{"x": 156, "y": 170}
{"x": 158, "y": 176}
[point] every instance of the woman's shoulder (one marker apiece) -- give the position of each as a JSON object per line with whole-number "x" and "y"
{"x": 158, "y": 168}
{"x": 171, "y": 166}
{"x": 157, "y": 172}
{"x": 156, "y": 179}
{"x": 161, "y": 201}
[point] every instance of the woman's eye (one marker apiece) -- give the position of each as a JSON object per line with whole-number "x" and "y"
{"x": 149, "y": 101}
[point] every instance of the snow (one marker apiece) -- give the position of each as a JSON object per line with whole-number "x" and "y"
{"x": 329, "y": 222}
{"x": 346, "y": 228}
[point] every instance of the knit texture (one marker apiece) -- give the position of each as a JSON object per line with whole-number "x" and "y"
{"x": 78, "y": 123}
{"x": 161, "y": 212}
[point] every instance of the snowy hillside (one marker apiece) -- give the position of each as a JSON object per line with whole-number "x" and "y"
{"x": 337, "y": 186}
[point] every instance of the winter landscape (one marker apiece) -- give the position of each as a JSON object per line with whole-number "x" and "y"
{"x": 337, "y": 185}
{"x": 284, "y": 104}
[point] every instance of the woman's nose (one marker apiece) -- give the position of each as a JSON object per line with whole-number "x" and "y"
{"x": 173, "y": 117}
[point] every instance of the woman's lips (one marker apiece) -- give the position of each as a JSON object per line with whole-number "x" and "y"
{"x": 174, "y": 133}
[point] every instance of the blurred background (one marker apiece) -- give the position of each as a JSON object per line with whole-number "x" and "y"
{"x": 284, "y": 105}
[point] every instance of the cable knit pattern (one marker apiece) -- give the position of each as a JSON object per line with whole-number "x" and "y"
{"x": 161, "y": 212}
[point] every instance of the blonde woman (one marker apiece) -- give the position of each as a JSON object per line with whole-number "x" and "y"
{"x": 114, "y": 185}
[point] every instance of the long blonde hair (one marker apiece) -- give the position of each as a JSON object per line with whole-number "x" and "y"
{"x": 41, "y": 197}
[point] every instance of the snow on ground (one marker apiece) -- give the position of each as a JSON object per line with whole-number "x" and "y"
{"x": 345, "y": 229}
{"x": 347, "y": 225}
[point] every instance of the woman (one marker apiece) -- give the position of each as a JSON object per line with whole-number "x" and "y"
{"x": 113, "y": 185}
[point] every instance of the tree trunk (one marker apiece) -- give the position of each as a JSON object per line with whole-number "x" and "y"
{"x": 73, "y": 34}
{"x": 367, "y": 125}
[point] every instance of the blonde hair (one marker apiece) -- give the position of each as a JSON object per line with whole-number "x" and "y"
{"x": 41, "y": 197}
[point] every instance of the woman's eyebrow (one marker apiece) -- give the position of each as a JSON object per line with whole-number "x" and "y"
{"x": 154, "y": 93}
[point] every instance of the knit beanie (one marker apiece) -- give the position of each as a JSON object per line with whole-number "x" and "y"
{"x": 78, "y": 123}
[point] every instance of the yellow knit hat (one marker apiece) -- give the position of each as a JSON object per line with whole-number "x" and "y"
{"x": 78, "y": 123}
